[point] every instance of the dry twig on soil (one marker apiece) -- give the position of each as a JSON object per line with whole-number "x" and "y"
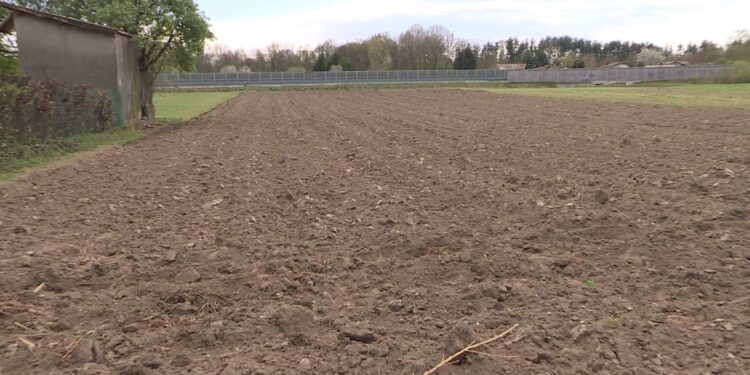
{"x": 19, "y": 325}
{"x": 39, "y": 288}
{"x": 28, "y": 343}
{"x": 469, "y": 349}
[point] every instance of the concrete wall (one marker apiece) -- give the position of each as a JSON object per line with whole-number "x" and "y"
{"x": 128, "y": 77}
{"x": 52, "y": 50}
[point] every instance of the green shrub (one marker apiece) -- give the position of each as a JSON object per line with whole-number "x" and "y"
{"x": 740, "y": 73}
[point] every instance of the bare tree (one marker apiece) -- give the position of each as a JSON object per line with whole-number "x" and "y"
{"x": 650, "y": 56}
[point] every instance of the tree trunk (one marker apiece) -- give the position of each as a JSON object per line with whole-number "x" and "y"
{"x": 147, "y": 96}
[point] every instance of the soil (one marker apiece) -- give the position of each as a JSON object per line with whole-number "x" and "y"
{"x": 375, "y": 231}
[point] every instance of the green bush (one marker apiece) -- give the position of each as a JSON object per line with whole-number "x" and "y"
{"x": 740, "y": 73}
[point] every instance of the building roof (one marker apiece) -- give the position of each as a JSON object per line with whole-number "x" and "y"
{"x": 9, "y": 23}
{"x": 616, "y": 64}
{"x": 677, "y": 63}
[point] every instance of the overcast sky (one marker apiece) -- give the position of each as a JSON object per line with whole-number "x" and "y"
{"x": 305, "y": 23}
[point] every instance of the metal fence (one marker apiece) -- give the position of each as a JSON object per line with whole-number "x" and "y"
{"x": 561, "y": 76}
{"x": 571, "y": 76}
{"x": 281, "y": 78}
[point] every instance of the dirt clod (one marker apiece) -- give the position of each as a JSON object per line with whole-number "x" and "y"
{"x": 541, "y": 357}
{"x": 294, "y": 319}
{"x": 87, "y": 351}
{"x": 359, "y": 332}
{"x": 396, "y": 305}
{"x": 459, "y": 337}
{"x": 94, "y": 369}
{"x": 601, "y": 197}
{"x": 578, "y": 332}
{"x": 414, "y": 366}
{"x": 151, "y": 361}
{"x": 181, "y": 360}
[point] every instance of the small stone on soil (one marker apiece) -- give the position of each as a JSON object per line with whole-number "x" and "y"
{"x": 189, "y": 275}
{"x": 170, "y": 256}
{"x": 305, "y": 364}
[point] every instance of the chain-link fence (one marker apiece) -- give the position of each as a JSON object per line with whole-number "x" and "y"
{"x": 561, "y": 76}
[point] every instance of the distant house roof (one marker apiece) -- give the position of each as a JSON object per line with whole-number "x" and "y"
{"x": 511, "y": 66}
{"x": 9, "y": 24}
{"x": 617, "y": 64}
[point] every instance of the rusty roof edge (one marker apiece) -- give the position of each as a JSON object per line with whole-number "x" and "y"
{"x": 62, "y": 19}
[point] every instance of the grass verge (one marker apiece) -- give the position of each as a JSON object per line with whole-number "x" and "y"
{"x": 172, "y": 107}
{"x": 19, "y": 158}
{"x": 723, "y": 96}
{"x": 182, "y": 106}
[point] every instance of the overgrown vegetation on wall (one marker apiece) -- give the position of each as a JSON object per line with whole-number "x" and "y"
{"x": 37, "y": 115}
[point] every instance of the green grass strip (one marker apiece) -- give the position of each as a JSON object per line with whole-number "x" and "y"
{"x": 721, "y": 96}
{"x": 182, "y": 106}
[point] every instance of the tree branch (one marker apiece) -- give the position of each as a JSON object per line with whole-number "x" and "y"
{"x": 162, "y": 50}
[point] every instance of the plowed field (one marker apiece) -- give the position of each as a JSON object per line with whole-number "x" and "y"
{"x": 378, "y": 231}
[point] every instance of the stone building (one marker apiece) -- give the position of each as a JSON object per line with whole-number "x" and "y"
{"x": 77, "y": 52}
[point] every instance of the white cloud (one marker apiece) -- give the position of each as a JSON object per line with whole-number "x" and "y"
{"x": 663, "y": 22}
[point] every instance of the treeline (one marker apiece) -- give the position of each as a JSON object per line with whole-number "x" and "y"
{"x": 436, "y": 47}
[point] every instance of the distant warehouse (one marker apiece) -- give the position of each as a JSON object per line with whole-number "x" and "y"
{"x": 77, "y": 52}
